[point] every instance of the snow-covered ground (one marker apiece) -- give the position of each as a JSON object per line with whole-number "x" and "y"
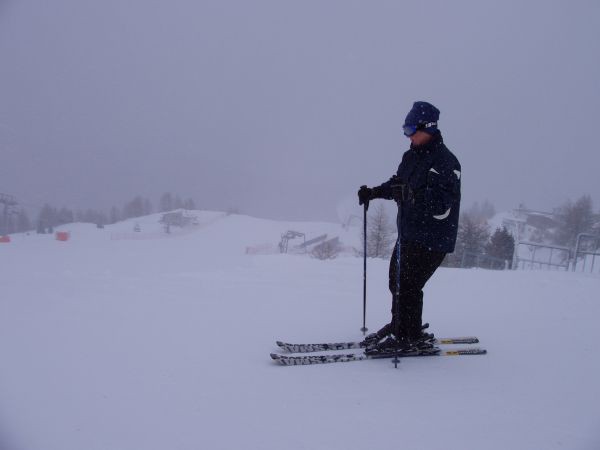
{"x": 163, "y": 343}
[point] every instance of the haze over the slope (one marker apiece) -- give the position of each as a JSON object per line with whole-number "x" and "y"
{"x": 281, "y": 109}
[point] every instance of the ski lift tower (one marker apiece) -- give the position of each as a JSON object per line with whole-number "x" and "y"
{"x": 285, "y": 238}
{"x": 10, "y": 203}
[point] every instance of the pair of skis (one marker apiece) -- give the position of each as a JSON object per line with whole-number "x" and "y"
{"x": 343, "y": 357}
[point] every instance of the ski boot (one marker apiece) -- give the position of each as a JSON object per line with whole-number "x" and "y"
{"x": 402, "y": 343}
{"x": 374, "y": 338}
{"x": 386, "y": 330}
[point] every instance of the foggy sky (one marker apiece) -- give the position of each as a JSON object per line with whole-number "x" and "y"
{"x": 284, "y": 108}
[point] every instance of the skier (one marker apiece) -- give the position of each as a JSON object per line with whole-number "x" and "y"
{"x": 426, "y": 188}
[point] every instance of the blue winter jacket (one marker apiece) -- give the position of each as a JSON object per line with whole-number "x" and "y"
{"x": 430, "y": 216}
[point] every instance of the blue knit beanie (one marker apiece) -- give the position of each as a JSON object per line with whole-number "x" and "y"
{"x": 423, "y": 113}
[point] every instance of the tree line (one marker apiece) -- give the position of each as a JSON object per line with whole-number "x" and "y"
{"x": 560, "y": 228}
{"x": 50, "y": 217}
{"x": 475, "y": 237}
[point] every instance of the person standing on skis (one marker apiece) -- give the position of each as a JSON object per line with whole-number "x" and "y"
{"x": 426, "y": 188}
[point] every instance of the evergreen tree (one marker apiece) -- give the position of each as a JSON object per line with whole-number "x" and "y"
{"x": 114, "y": 215}
{"x": 96, "y": 217}
{"x": 47, "y": 219}
{"x": 23, "y": 222}
{"x": 177, "y": 203}
{"x": 501, "y": 245}
{"x": 189, "y": 204}
{"x": 166, "y": 202}
{"x": 64, "y": 216}
{"x": 40, "y": 229}
{"x": 101, "y": 219}
{"x": 147, "y": 207}
{"x": 134, "y": 208}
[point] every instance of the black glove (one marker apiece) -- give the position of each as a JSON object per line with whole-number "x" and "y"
{"x": 364, "y": 195}
{"x": 400, "y": 190}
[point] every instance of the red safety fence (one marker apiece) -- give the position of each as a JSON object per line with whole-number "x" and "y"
{"x": 5, "y": 239}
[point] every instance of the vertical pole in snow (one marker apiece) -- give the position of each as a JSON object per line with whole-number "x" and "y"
{"x": 396, "y": 305}
{"x": 364, "y": 327}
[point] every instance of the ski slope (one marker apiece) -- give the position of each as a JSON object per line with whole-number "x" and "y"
{"x": 163, "y": 342}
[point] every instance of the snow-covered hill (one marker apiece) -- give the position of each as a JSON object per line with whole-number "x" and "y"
{"x": 111, "y": 341}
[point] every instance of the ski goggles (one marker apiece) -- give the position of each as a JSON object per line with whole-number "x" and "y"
{"x": 409, "y": 130}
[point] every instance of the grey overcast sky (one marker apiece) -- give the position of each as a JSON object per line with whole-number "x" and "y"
{"x": 284, "y": 108}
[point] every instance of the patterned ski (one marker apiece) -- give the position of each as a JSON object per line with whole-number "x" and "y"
{"x": 321, "y": 347}
{"x": 326, "y": 359}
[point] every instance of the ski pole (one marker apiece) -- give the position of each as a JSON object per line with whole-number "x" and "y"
{"x": 364, "y": 327}
{"x": 396, "y": 305}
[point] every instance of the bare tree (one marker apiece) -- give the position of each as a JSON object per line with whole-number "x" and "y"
{"x": 574, "y": 218}
{"x": 381, "y": 234}
{"x": 473, "y": 234}
{"x": 482, "y": 212}
{"x": 327, "y": 250}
